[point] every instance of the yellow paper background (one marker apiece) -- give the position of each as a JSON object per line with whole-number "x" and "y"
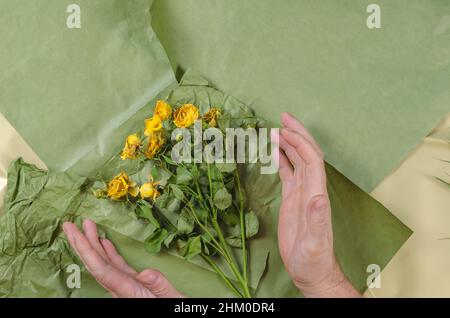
{"x": 420, "y": 268}
{"x": 12, "y": 146}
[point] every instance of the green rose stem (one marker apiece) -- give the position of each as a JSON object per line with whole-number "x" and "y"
{"x": 221, "y": 247}
{"x": 231, "y": 262}
{"x": 217, "y": 247}
{"x": 243, "y": 229}
{"x": 222, "y": 275}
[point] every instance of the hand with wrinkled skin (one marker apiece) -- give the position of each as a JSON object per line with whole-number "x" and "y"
{"x": 111, "y": 271}
{"x": 305, "y": 233}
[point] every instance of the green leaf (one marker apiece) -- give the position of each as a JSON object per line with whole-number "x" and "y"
{"x": 169, "y": 160}
{"x": 216, "y": 175}
{"x": 145, "y": 211}
{"x": 169, "y": 239}
{"x": 224, "y": 121}
{"x": 202, "y": 214}
{"x": 160, "y": 175}
{"x": 153, "y": 242}
{"x": 155, "y": 173}
{"x": 251, "y": 227}
{"x": 251, "y": 224}
{"x": 222, "y": 199}
{"x": 185, "y": 224}
{"x": 203, "y": 180}
{"x": 226, "y": 167}
{"x": 230, "y": 218}
{"x": 183, "y": 176}
{"x": 162, "y": 200}
{"x": 193, "y": 247}
{"x": 173, "y": 205}
{"x": 177, "y": 192}
{"x": 143, "y": 174}
{"x": 181, "y": 247}
{"x": 234, "y": 241}
{"x": 206, "y": 239}
{"x": 195, "y": 171}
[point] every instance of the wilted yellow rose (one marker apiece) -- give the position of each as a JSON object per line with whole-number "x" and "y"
{"x": 211, "y": 116}
{"x": 163, "y": 110}
{"x": 132, "y": 144}
{"x": 156, "y": 142}
{"x": 148, "y": 190}
{"x": 120, "y": 186}
{"x": 185, "y": 116}
{"x": 152, "y": 125}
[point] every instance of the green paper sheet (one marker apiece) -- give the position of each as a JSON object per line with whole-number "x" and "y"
{"x": 38, "y": 202}
{"x": 367, "y": 95}
{"x": 91, "y": 80}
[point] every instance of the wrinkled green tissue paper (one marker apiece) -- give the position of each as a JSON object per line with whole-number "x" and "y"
{"x": 367, "y": 95}
{"x": 34, "y": 254}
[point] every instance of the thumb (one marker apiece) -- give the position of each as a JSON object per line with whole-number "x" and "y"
{"x": 319, "y": 219}
{"x": 158, "y": 284}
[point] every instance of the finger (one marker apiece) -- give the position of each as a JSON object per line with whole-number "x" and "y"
{"x": 319, "y": 221}
{"x": 158, "y": 284}
{"x": 291, "y": 153}
{"x": 304, "y": 147}
{"x": 116, "y": 282}
{"x": 90, "y": 230}
{"x": 72, "y": 233}
{"x": 289, "y": 121}
{"x": 115, "y": 258}
{"x": 82, "y": 247}
{"x": 315, "y": 176}
{"x": 285, "y": 168}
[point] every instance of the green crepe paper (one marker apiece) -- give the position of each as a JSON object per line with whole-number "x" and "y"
{"x": 367, "y": 95}
{"x": 34, "y": 254}
{"x": 64, "y": 89}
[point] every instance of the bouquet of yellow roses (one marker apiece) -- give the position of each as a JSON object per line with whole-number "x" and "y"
{"x": 196, "y": 207}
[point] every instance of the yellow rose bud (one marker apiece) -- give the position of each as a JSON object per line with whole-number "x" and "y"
{"x": 152, "y": 125}
{"x": 120, "y": 186}
{"x": 148, "y": 190}
{"x": 211, "y": 116}
{"x": 185, "y": 116}
{"x": 155, "y": 143}
{"x": 132, "y": 144}
{"x": 163, "y": 110}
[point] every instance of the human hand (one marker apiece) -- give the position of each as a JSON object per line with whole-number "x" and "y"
{"x": 111, "y": 271}
{"x": 305, "y": 235}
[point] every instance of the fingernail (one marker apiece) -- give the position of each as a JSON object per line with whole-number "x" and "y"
{"x": 86, "y": 223}
{"x": 65, "y": 226}
{"x": 66, "y": 230}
